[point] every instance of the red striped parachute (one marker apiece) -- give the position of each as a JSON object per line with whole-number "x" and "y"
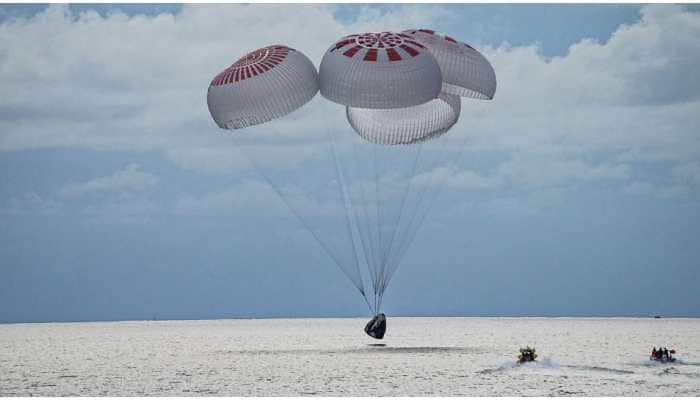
{"x": 362, "y": 164}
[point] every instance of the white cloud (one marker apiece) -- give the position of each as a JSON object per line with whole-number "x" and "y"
{"x": 462, "y": 180}
{"x": 255, "y": 195}
{"x": 683, "y": 180}
{"x": 636, "y": 95}
{"x": 536, "y": 173}
{"x": 532, "y": 173}
{"x": 650, "y": 190}
{"x": 471, "y": 180}
{"x": 687, "y": 174}
{"x": 250, "y": 194}
{"x": 130, "y": 179}
{"x": 139, "y": 82}
{"x": 116, "y": 210}
{"x": 30, "y": 203}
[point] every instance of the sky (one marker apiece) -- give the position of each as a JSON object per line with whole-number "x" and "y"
{"x": 578, "y": 193}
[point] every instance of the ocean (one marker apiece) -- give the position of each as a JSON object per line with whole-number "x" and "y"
{"x": 334, "y": 357}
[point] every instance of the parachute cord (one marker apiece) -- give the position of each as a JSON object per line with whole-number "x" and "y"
{"x": 419, "y": 204}
{"x": 394, "y": 239}
{"x": 345, "y": 199}
{"x": 362, "y": 225}
{"x": 379, "y": 214}
{"x": 259, "y": 170}
{"x": 412, "y": 232}
{"x": 412, "y": 228}
{"x": 387, "y": 255}
{"x": 381, "y": 298}
{"x": 397, "y": 245}
{"x": 376, "y": 304}
{"x": 412, "y": 236}
{"x": 423, "y": 196}
{"x": 371, "y": 310}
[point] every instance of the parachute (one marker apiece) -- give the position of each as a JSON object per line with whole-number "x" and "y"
{"x": 263, "y": 85}
{"x": 379, "y": 70}
{"x": 361, "y": 165}
{"x": 465, "y": 71}
{"x": 406, "y": 125}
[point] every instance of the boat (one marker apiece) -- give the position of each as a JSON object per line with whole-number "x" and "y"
{"x": 660, "y": 356}
{"x": 527, "y": 354}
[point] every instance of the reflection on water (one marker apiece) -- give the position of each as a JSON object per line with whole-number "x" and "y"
{"x": 370, "y": 348}
{"x": 423, "y": 350}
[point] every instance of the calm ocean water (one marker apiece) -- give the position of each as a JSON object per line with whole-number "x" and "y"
{"x": 421, "y": 356}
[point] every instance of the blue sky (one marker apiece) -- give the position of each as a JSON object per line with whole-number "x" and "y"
{"x": 578, "y": 193}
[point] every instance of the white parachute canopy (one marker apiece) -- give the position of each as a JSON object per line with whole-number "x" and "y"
{"x": 263, "y": 85}
{"x": 379, "y": 70}
{"x": 465, "y": 71}
{"x": 406, "y": 125}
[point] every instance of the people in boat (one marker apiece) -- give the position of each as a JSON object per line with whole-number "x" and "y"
{"x": 527, "y": 354}
{"x": 662, "y": 354}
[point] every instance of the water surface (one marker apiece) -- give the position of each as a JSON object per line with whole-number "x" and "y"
{"x": 421, "y": 356}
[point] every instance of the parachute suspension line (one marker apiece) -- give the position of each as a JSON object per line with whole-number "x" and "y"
{"x": 376, "y": 305}
{"x": 363, "y": 227}
{"x": 366, "y": 225}
{"x": 420, "y": 196}
{"x": 387, "y": 251}
{"x": 408, "y": 232}
{"x": 367, "y": 228}
{"x": 360, "y": 206}
{"x": 372, "y": 310}
{"x": 274, "y": 187}
{"x": 413, "y": 227}
{"x": 378, "y": 209}
{"x": 346, "y": 202}
{"x": 408, "y": 213}
{"x": 413, "y": 232}
{"x": 431, "y": 198}
{"x": 454, "y": 161}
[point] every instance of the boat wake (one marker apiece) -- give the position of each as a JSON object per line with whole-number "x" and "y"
{"x": 600, "y": 369}
{"x": 658, "y": 364}
{"x": 503, "y": 367}
{"x": 543, "y": 364}
{"x": 547, "y": 364}
{"x": 689, "y": 363}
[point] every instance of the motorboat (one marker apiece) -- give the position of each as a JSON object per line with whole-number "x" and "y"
{"x": 527, "y": 354}
{"x": 663, "y": 356}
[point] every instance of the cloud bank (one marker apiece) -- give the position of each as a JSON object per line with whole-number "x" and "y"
{"x": 603, "y": 112}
